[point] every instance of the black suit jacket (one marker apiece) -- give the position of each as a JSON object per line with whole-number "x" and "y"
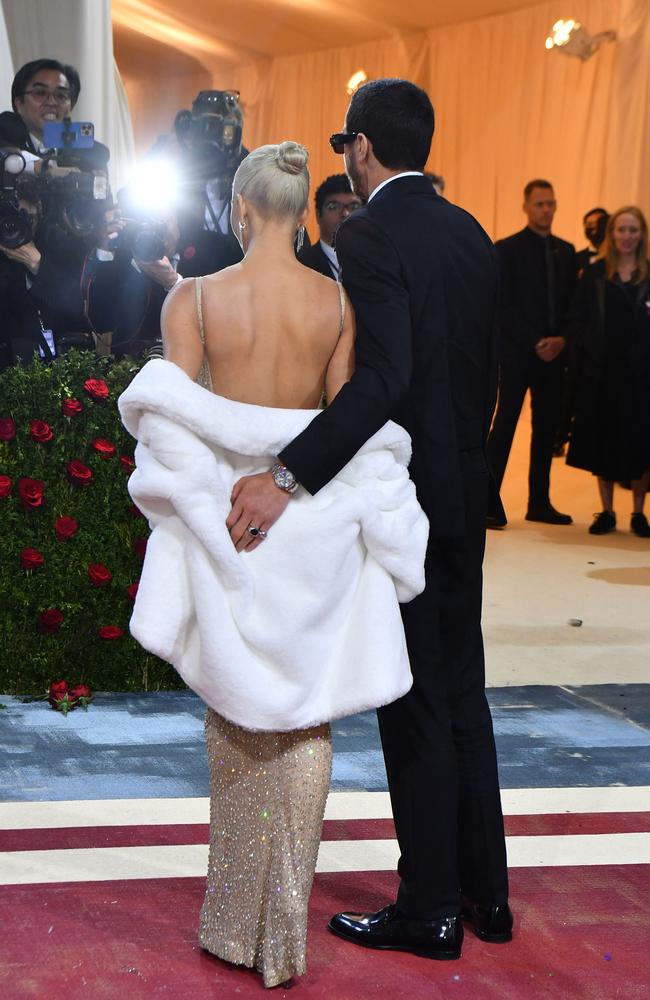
{"x": 314, "y": 257}
{"x": 422, "y": 277}
{"x": 524, "y": 305}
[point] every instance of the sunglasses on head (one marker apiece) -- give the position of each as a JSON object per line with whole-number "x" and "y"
{"x": 340, "y": 140}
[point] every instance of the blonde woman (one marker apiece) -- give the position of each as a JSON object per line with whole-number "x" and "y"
{"x": 611, "y": 320}
{"x": 289, "y": 627}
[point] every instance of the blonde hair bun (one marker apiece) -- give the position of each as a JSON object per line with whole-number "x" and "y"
{"x": 292, "y": 157}
{"x": 275, "y": 178}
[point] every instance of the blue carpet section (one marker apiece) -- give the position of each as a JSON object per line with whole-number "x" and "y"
{"x": 151, "y": 745}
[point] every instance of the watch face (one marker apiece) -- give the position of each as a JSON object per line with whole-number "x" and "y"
{"x": 284, "y": 478}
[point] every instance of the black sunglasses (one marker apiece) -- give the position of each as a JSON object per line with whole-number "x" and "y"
{"x": 339, "y": 140}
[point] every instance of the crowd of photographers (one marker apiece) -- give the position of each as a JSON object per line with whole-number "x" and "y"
{"x": 81, "y": 267}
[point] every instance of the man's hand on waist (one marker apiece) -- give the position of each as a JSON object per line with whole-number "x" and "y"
{"x": 257, "y": 503}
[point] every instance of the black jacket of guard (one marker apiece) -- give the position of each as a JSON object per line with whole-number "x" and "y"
{"x": 314, "y": 257}
{"x": 422, "y": 277}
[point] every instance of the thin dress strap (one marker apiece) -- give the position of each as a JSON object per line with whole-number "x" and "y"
{"x": 204, "y": 378}
{"x": 343, "y": 301}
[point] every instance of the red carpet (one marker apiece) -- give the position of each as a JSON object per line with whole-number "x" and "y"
{"x": 580, "y": 933}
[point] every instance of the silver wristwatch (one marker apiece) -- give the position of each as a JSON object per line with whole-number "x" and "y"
{"x": 283, "y": 478}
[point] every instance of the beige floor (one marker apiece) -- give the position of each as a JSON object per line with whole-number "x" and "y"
{"x": 539, "y": 577}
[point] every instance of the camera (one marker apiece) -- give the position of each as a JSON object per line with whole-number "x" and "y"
{"x": 210, "y": 135}
{"x": 16, "y": 226}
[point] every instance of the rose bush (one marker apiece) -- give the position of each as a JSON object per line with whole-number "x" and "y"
{"x": 70, "y": 545}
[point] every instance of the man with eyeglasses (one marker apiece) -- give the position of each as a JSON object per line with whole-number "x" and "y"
{"x": 335, "y": 201}
{"x": 44, "y": 90}
{"x": 422, "y": 277}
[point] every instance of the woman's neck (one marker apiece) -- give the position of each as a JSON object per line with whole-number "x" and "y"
{"x": 626, "y": 265}
{"x": 273, "y": 242}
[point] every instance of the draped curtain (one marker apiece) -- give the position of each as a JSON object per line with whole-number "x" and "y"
{"x": 507, "y": 110}
{"x": 78, "y": 32}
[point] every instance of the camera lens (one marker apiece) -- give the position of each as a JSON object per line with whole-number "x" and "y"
{"x": 15, "y": 229}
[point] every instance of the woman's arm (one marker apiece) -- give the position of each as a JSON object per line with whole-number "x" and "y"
{"x": 179, "y": 323}
{"x": 341, "y": 364}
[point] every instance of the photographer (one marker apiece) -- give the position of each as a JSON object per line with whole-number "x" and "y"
{"x": 138, "y": 261}
{"x": 71, "y": 197}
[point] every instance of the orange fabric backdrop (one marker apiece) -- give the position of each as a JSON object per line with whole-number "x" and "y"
{"x": 507, "y": 110}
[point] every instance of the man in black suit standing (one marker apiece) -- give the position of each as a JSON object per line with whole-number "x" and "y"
{"x": 538, "y": 275}
{"x": 422, "y": 277}
{"x": 335, "y": 201}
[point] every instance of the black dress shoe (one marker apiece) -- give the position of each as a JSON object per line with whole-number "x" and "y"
{"x": 496, "y": 521}
{"x": 639, "y": 525}
{"x": 388, "y": 929}
{"x": 489, "y": 923}
{"x": 547, "y": 514}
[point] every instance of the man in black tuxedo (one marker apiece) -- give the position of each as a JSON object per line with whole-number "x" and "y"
{"x": 335, "y": 201}
{"x": 538, "y": 276}
{"x": 422, "y": 277}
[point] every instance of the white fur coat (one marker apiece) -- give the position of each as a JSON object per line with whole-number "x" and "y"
{"x": 304, "y": 629}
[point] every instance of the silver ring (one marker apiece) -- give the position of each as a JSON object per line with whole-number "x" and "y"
{"x": 256, "y": 532}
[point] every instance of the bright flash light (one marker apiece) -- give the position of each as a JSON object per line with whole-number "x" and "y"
{"x": 561, "y": 32}
{"x": 154, "y": 186}
{"x": 356, "y": 80}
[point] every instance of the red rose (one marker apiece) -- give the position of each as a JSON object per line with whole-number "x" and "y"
{"x": 58, "y": 691}
{"x": 135, "y": 510}
{"x": 31, "y": 492}
{"x": 5, "y": 486}
{"x": 140, "y": 547}
{"x": 132, "y": 589}
{"x": 78, "y": 473}
{"x": 96, "y": 389}
{"x": 80, "y": 694}
{"x": 104, "y": 447}
{"x": 65, "y": 527}
{"x": 50, "y": 621}
{"x": 99, "y": 574}
{"x": 127, "y": 463}
{"x": 40, "y": 431}
{"x": 7, "y": 429}
{"x": 31, "y": 559}
{"x": 110, "y": 632}
{"x": 189, "y": 252}
{"x": 70, "y": 407}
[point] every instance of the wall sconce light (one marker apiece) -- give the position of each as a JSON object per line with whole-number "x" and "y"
{"x": 356, "y": 80}
{"x": 571, "y": 38}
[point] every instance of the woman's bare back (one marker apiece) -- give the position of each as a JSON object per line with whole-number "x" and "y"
{"x": 273, "y": 333}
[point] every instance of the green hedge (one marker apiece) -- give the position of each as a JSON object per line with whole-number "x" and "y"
{"x": 66, "y": 595}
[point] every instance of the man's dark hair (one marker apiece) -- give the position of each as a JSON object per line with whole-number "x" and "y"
{"x": 26, "y": 74}
{"x": 397, "y": 118}
{"x": 594, "y": 211}
{"x": 336, "y": 184}
{"x": 537, "y": 183}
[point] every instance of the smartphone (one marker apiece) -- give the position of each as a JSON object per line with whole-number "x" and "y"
{"x": 68, "y": 135}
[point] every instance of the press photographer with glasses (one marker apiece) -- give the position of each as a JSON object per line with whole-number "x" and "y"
{"x": 44, "y": 90}
{"x": 334, "y": 201}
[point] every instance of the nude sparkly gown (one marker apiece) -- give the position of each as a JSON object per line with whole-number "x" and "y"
{"x": 267, "y": 801}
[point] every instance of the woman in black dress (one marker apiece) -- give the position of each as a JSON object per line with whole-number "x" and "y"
{"x": 611, "y": 326}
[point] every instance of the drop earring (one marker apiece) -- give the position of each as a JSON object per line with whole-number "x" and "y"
{"x": 300, "y": 238}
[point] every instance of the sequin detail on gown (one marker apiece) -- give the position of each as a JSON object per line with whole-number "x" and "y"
{"x": 268, "y": 795}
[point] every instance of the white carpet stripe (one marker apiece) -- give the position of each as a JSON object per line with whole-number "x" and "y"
{"x": 190, "y": 860}
{"x": 340, "y": 805}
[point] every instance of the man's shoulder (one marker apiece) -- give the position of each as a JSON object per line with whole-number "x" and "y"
{"x": 513, "y": 241}
{"x": 13, "y": 131}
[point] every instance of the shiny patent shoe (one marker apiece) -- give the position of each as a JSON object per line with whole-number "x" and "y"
{"x": 388, "y": 929}
{"x": 489, "y": 923}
